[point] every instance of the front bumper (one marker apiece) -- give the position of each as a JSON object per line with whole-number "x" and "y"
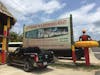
{"x": 42, "y": 64}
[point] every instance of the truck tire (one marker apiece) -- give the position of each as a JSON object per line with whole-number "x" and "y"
{"x": 27, "y": 67}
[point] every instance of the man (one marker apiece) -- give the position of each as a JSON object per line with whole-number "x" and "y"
{"x": 84, "y": 37}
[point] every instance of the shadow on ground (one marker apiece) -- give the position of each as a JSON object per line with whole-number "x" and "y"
{"x": 35, "y": 70}
{"x": 41, "y": 71}
{"x": 69, "y": 58}
{"x": 76, "y": 66}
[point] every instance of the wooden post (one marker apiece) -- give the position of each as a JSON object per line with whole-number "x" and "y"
{"x": 8, "y": 25}
{"x": 71, "y": 30}
{"x": 0, "y": 42}
{"x": 4, "y": 43}
{"x": 8, "y": 28}
{"x": 72, "y": 39}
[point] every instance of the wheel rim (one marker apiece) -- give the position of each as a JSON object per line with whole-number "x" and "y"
{"x": 26, "y": 67}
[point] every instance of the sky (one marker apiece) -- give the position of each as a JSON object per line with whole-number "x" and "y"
{"x": 86, "y": 14}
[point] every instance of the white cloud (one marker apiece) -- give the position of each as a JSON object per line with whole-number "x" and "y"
{"x": 17, "y": 28}
{"x": 52, "y": 6}
{"x": 83, "y": 18}
{"x": 33, "y": 6}
{"x": 80, "y": 15}
{"x": 21, "y": 8}
{"x": 95, "y": 15}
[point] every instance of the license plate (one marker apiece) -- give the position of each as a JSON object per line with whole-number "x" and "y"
{"x": 44, "y": 63}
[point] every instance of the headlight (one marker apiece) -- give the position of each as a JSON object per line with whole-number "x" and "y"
{"x": 52, "y": 52}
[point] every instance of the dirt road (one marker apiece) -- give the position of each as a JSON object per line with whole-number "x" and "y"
{"x": 64, "y": 67}
{"x": 8, "y": 70}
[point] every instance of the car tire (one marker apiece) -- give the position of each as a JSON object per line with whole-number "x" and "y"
{"x": 45, "y": 66}
{"x": 9, "y": 62}
{"x": 27, "y": 67}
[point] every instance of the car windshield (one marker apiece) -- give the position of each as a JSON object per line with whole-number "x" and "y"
{"x": 32, "y": 50}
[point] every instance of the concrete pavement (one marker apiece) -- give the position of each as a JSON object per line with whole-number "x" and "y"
{"x": 96, "y": 51}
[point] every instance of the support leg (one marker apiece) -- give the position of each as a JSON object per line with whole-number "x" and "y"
{"x": 73, "y": 54}
{"x": 86, "y": 54}
{"x": 3, "y": 56}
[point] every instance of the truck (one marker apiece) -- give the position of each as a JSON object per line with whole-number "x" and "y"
{"x": 30, "y": 58}
{"x": 56, "y": 36}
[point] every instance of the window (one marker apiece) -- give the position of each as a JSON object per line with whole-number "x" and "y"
{"x": 40, "y": 33}
{"x": 14, "y": 45}
{"x": 34, "y": 34}
{"x": 53, "y": 32}
{"x": 47, "y": 32}
{"x": 31, "y": 34}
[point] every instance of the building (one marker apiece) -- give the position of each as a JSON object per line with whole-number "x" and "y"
{"x": 6, "y": 22}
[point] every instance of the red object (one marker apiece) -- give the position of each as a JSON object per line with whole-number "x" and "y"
{"x": 36, "y": 58}
{"x": 8, "y": 31}
{"x": 84, "y": 37}
{"x": 86, "y": 54}
{"x": 74, "y": 56}
{"x": 5, "y": 33}
{"x": 3, "y": 55}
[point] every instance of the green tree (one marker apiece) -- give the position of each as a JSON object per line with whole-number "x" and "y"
{"x": 14, "y": 37}
{"x": 20, "y": 37}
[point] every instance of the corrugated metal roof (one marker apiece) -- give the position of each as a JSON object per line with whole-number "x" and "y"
{"x": 4, "y": 10}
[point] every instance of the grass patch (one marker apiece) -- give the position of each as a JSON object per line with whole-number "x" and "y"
{"x": 76, "y": 66}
